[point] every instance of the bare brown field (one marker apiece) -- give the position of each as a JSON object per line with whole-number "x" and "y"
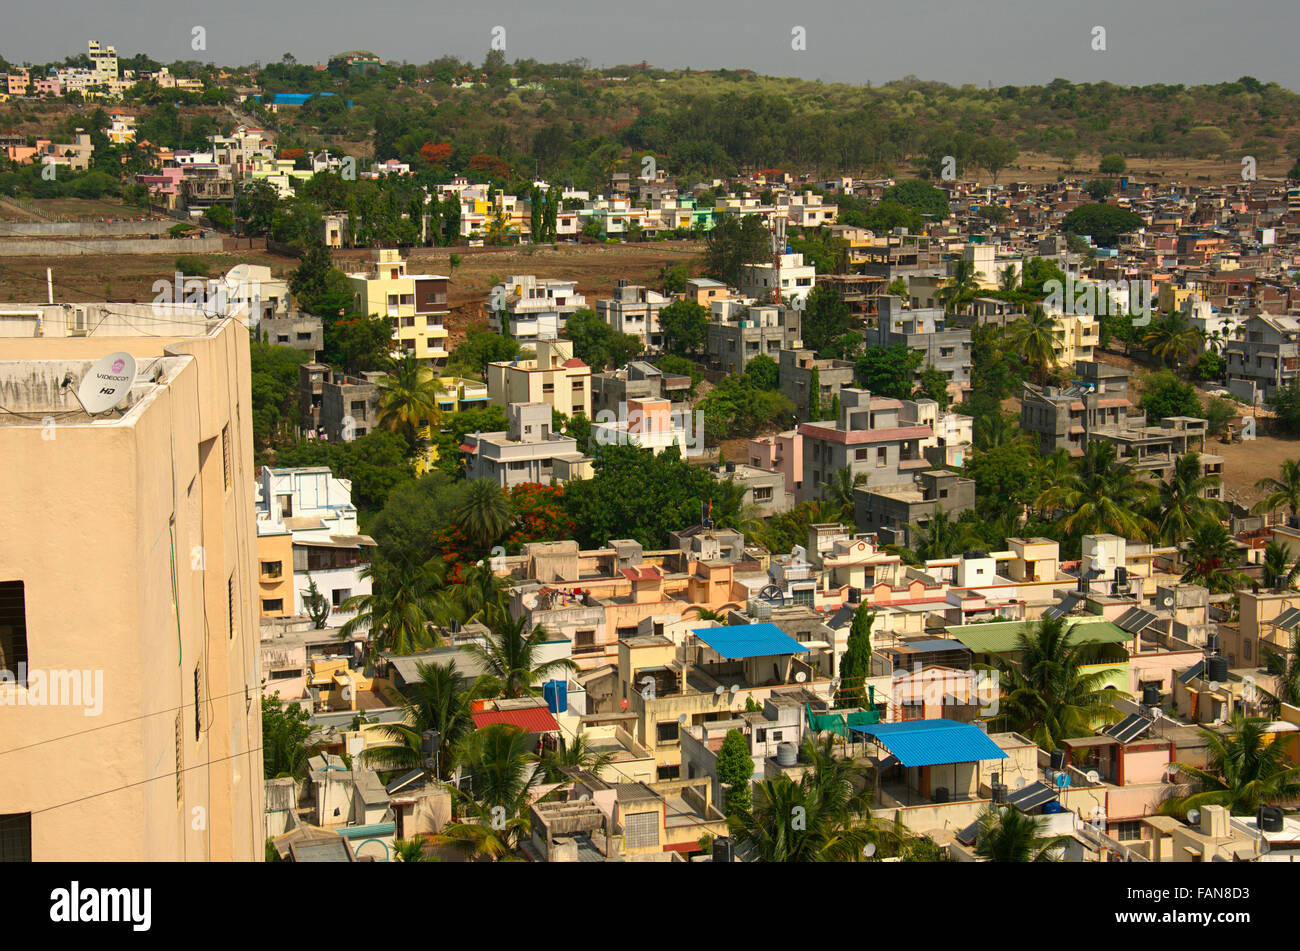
{"x": 1038, "y": 169}
{"x": 120, "y": 277}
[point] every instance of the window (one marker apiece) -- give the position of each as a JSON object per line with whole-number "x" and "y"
{"x": 16, "y": 837}
{"x": 641, "y": 830}
{"x": 272, "y": 604}
{"x": 1245, "y": 649}
{"x": 882, "y": 457}
{"x": 225, "y": 454}
{"x": 584, "y": 642}
{"x": 340, "y": 595}
{"x": 230, "y": 604}
{"x": 198, "y": 705}
{"x": 666, "y": 732}
{"x": 271, "y": 569}
{"x": 762, "y": 494}
{"x": 13, "y": 629}
{"x": 861, "y": 454}
{"x": 1128, "y": 831}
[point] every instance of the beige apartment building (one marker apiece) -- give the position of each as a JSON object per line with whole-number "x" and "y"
{"x": 130, "y": 723}
{"x": 555, "y": 377}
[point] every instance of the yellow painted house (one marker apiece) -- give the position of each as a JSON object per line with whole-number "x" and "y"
{"x": 416, "y": 303}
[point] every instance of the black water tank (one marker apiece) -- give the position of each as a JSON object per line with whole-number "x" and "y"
{"x": 1058, "y": 760}
{"x": 1151, "y": 695}
{"x": 999, "y": 793}
{"x": 723, "y": 850}
{"x": 1269, "y": 819}
{"x": 941, "y": 794}
{"x": 1121, "y": 576}
{"x": 1216, "y": 668}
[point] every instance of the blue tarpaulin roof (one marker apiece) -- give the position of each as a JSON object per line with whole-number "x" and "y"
{"x": 740, "y": 641}
{"x": 933, "y": 742}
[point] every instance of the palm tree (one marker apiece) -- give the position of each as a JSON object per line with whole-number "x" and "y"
{"x": 1173, "y": 340}
{"x": 1279, "y": 574}
{"x": 484, "y": 514}
{"x": 1242, "y": 770}
{"x": 1054, "y": 474}
{"x": 941, "y": 536}
{"x": 1281, "y": 491}
{"x": 410, "y": 850}
{"x": 1008, "y": 835}
{"x": 1009, "y": 279}
{"x": 509, "y": 655}
{"x": 1105, "y": 496}
{"x": 1182, "y": 503}
{"x": 838, "y": 490}
{"x": 1211, "y": 557}
{"x": 502, "y": 775}
{"x": 440, "y": 700}
{"x": 1047, "y": 695}
{"x": 408, "y": 396}
{"x": 820, "y": 818}
{"x": 1286, "y": 671}
{"x": 399, "y": 611}
{"x": 994, "y": 430}
{"x": 575, "y": 753}
{"x": 1033, "y": 339}
{"x": 961, "y": 287}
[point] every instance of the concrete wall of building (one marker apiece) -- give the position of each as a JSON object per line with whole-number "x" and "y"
{"x": 104, "y": 498}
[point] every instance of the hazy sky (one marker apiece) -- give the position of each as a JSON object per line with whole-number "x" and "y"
{"x": 954, "y": 41}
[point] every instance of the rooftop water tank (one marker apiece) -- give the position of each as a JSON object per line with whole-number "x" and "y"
{"x": 786, "y": 754}
{"x": 1216, "y": 668}
{"x": 556, "y": 695}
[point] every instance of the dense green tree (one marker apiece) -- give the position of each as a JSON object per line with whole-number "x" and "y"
{"x": 1103, "y": 223}
{"x": 285, "y": 733}
{"x": 685, "y": 326}
{"x": 1243, "y": 770}
{"x": 734, "y": 242}
{"x": 735, "y": 772}
{"x": 889, "y": 371}
{"x": 597, "y": 344}
{"x": 1281, "y": 490}
{"x": 826, "y": 323}
{"x": 855, "y": 665}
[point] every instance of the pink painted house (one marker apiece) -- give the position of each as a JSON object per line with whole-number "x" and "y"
{"x": 781, "y": 453}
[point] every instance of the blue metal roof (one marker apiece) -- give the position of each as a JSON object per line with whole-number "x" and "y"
{"x": 933, "y": 742}
{"x": 740, "y": 641}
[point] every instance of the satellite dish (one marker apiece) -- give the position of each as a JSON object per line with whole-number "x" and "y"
{"x": 1193, "y": 816}
{"x": 735, "y": 689}
{"x": 682, "y": 719}
{"x": 717, "y": 691}
{"x": 1062, "y": 779}
{"x": 800, "y": 677}
{"x": 1167, "y": 601}
{"x": 869, "y": 850}
{"x": 1157, "y": 713}
{"x": 1214, "y": 685}
{"x": 106, "y": 383}
{"x": 1093, "y": 776}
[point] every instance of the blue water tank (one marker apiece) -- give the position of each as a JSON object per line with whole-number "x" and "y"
{"x": 1052, "y": 807}
{"x": 556, "y": 695}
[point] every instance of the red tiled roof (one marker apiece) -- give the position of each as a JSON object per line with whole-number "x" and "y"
{"x": 531, "y": 719}
{"x": 468, "y": 447}
{"x": 573, "y": 362}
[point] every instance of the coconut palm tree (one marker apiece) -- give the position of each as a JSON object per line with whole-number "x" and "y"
{"x": 1243, "y": 770}
{"x": 1284, "y": 490}
{"x": 1173, "y": 340}
{"x": 1008, "y": 835}
{"x": 575, "y": 753}
{"x": 1279, "y": 574}
{"x": 941, "y": 536}
{"x": 994, "y": 430}
{"x": 408, "y": 396}
{"x": 1106, "y": 495}
{"x": 1033, "y": 339}
{"x": 961, "y": 287}
{"x": 1181, "y": 502}
{"x": 1009, "y": 279}
{"x": 439, "y": 700}
{"x": 484, "y": 514}
{"x": 820, "y": 818}
{"x": 509, "y": 655}
{"x": 411, "y": 850}
{"x": 838, "y": 490}
{"x": 1047, "y": 695}
{"x": 1211, "y": 557}
{"x": 1054, "y": 476}
{"x": 400, "y": 610}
